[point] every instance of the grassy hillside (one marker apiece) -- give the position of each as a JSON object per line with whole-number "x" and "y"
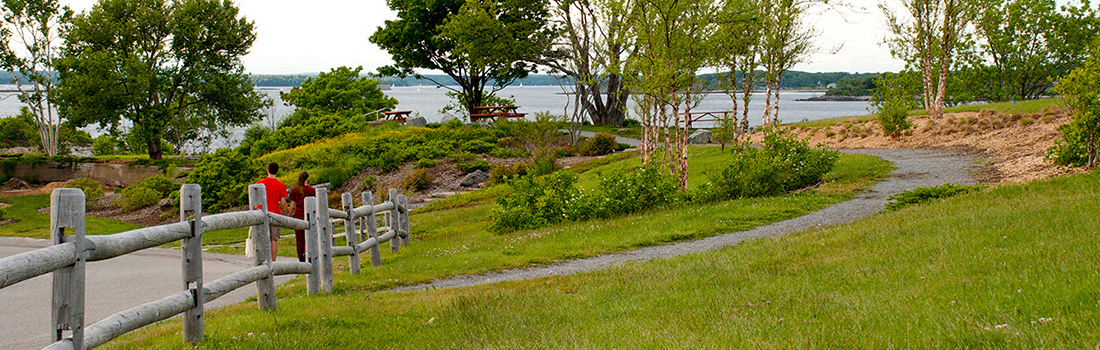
{"x": 1012, "y": 267}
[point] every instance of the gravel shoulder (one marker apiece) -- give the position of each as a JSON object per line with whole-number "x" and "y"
{"x": 915, "y": 168}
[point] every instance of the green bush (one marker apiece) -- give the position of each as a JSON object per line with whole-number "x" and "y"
{"x": 105, "y": 145}
{"x": 784, "y": 164}
{"x": 224, "y": 177}
{"x": 426, "y": 163}
{"x": 925, "y": 194}
{"x": 92, "y": 190}
{"x": 418, "y": 181}
{"x": 335, "y": 176}
{"x": 893, "y": 99}
{"x": 1080, "y": 142}
{"x": 161, "y": 184}
{"x": 474, "y": 165}
{"x": 599, "y": 145}
{"x": 500, "y": 173}
{"x": 542, "y": 201}
{"x": 137, "y": 197}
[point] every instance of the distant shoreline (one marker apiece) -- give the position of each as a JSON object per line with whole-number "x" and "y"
{"x": 836, "y": 98}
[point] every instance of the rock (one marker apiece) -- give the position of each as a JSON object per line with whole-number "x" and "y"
{"x": 448, "y": 119}
{"x": 416, "y": 121}
{"x": 475, "y": 178}
{"x": 700, "y": 137}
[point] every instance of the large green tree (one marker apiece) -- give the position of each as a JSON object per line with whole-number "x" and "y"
{"x": 340, "y": 91}
{"x": 478, "y": 43}
{"x": 162, "y": 66}
{"x": 29, "y": 44}
{"x": 1025, "y": 45}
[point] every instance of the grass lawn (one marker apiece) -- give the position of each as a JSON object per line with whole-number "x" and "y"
{"x": 33, "y": 224}
{"x": 1011, "y": 267}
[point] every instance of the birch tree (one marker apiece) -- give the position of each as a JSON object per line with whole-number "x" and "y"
{"x": 928, "y": 35}
{"x": 30, "y": 34}
{"x": 673, "y": 39}
{"x": 785, "y": 42}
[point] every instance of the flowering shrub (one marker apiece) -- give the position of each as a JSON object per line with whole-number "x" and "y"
{"x": 543, "y": 201}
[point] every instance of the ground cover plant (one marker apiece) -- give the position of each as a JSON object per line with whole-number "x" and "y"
{"x": 1012, "y": 267}
{"x": 927, "y": 194}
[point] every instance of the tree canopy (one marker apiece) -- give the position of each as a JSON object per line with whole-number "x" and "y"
{"x": 166, "y": 68}
{"x": 478, "y": 43}
{"x": 340, "y": 91}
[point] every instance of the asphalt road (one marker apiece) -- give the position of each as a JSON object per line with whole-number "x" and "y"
{"x": 112, "y": 286}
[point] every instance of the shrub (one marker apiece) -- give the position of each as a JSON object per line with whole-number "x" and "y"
{"x": 543, "y": 161}
{"x": 784, "y": 164}
{"x": 335, "y": 176}
{"x": 92, "y": 190}
{"x": 224, "y": 177}
{"x": 148, "y": 192}
{"x": 137, "y": 197}
{"x": 599, "y": 145}
{"x": 542, "y": 201}
{"x": 893, "y": 98}
{"x": 369, "y": 183}
{"x": 500, "y": 173}
{"x": 105, "y": 145}
{"x": 925, "y": 194}
{"x": 418, "y": 181}
{"x": 1080, "y": 143}
{"x": 474, "y": 165}
{"x": 161, "y": 184}
{"x": 426, "y": 163}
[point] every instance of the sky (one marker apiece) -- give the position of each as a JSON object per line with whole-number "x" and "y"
{"x": 295, "y": 36}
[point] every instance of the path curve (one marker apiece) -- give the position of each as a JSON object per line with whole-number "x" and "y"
{"x": 915, "y": 168}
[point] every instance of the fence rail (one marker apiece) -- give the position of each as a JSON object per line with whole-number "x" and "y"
{"x": 69, "y": 253}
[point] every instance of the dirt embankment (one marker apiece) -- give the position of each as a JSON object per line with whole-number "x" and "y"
{"x": 1014, "y": 146}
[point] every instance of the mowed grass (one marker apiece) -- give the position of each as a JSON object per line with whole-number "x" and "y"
{"x": 33, "y": 224}
{"x": 1012, "y": 267}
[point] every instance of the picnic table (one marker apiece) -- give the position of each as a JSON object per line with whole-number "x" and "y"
{"x": 495, "y": 112}
{"x": 396, "y": 115}
{"x": 703, "y": 116}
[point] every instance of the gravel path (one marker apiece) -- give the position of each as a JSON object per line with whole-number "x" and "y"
{"x": 915, "y": 168}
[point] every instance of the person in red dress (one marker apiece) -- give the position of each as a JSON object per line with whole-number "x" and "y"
{"x": 276, "y": 201}
{"x": 298, "y": 208}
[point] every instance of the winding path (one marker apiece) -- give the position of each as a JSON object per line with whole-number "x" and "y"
{"x": 915, "y": 168}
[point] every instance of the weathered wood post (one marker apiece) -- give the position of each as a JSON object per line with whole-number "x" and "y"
{"x": 191, "y": 205}
{"x": 349, "y": 229}
{"x": 403, "y": 221}
{"x": 372, "y": 229}
{"x": 261, "y": 241}
{"x": 324, "y": 229}
{"x": 395, "y": 242}
{"x": 313, "y": 281}
{"x": 67, "y": 211}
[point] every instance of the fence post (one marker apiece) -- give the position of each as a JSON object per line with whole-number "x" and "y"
{"x": 67, "y": 211}
{"x": 261, "y": 241}
{"x": 191, "y": 201}
{"x": 324, "y": 230}
{"x": 372, "y": 229}
{"x": 403, "y": 221}
{"x": 313, "y": 281}
{"x": 352, "y": 236}
{"x": 395, "y": 243}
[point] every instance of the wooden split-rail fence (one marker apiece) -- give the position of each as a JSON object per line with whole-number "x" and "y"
{"x": 72, "y": 249}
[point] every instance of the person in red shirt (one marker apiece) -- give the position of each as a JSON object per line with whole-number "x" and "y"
{"x": 298, "y": 208}
{"x": 276, "y": 201}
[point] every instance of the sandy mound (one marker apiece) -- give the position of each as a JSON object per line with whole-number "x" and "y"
{"x": 1013, "y": 144}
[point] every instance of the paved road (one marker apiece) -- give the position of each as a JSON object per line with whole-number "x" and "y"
{"x": 915, "y": 168}
{"x": 113, "y": 285}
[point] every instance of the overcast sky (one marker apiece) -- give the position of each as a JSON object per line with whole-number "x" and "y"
{"x": 295, "y": 36}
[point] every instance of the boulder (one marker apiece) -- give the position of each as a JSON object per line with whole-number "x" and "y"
{"x": 700, "y": 137}
{"x": 475, "y": 178}
{"x": 416, "y": 121}
{"x": 448, "y": 119}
